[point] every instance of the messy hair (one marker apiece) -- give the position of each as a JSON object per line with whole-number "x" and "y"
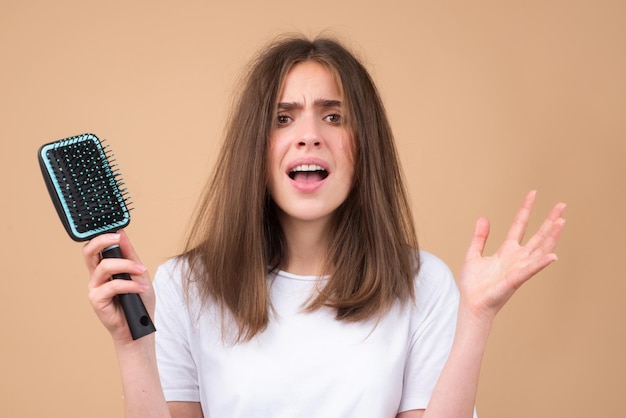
{"x": 236, "y": 237}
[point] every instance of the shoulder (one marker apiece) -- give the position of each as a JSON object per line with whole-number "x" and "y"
{"x": 431, "y": 265}
{"x": 434, "y": 281}
{"x": 173, "y": 269}
{"x": 170, "y": 276}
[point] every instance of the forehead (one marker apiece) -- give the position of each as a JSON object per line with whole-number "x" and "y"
{"x": 310, "y": 78}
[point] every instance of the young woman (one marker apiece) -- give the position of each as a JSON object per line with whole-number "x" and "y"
{"x": 302, "y": 291}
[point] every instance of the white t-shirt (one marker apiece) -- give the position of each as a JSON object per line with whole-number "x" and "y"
{"x": 306, "y": 364}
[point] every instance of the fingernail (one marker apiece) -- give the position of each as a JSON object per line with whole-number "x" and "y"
{"x": 141, "y": 268}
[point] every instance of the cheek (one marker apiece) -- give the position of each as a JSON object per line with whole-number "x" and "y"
{"x": 347, "y": 150}
{"x": 274, "y": 153}
{"x": 276, "y": 147}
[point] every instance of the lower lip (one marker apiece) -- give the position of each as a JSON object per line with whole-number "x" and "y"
{"x": 307, "y": 187}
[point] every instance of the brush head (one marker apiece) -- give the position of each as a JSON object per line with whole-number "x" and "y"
{"x": 85, "y": 186}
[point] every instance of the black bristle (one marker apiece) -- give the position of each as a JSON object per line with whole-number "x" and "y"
{"x": 87, "y": 185}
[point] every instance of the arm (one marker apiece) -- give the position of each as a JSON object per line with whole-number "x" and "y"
{"x": 143, "y": 396}
{"x": 485, "y": 285}
{"x": 416, "y": 413}
{"x": 185, "y": 409}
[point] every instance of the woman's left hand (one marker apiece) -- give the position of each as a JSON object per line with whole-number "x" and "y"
{"x": 486, "y": 283}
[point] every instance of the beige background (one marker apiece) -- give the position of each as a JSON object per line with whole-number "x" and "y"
{"x": 488, "y": 99}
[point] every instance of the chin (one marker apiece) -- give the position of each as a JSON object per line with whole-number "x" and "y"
{"x": 308, "y": 213}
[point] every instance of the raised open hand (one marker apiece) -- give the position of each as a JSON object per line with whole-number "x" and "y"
{"x": 486, "y": 283}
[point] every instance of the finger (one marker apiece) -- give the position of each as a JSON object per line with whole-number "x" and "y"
{"x": 127, "y": 247}
{"x": 111, "y": 266}
{"x": 549, "y": 233}
{"x": 557, "y": 211}
{"x": 479, "y": 238}
{"x": 518, "y": 227}
{"x": 544, "y": 255}
{"x": 551, "y": 238}
{"x": 103, "y": 297}
{"x": 112, "y": 288}
{"x": 93, "y": 248}
{"x": 539, "y": 263}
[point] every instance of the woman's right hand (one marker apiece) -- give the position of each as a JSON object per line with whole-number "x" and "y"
{"x": 102, "y": 290}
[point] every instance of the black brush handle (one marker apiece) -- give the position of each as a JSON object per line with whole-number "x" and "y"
{"x": 137, "y": 316}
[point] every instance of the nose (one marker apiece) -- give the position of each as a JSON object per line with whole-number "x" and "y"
{"x": 306, "y": 142}
{"x": 310, "y": 134}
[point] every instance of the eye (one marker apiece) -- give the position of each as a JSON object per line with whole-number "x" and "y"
{"x": 333, "y": 118}
{"x": 282, "y": 119}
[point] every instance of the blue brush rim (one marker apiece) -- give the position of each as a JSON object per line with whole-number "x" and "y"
{"x": 81, "y": 236}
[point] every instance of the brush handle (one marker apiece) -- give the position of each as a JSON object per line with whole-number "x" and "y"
{"x": 137, "y": 316}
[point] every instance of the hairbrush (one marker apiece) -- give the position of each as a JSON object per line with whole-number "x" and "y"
{"x": 88, "y": 193}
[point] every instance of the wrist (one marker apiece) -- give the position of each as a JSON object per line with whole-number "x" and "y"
{"x": 143, "y": 347}
{"x": 473, "y": 322}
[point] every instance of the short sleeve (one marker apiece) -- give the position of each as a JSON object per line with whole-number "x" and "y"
{"x": 433, "y": 328}
{"x": 177, "y": 369}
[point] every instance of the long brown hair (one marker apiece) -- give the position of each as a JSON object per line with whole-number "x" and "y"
{"x": 236, "y": 238}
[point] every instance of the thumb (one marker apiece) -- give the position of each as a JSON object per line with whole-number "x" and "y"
{"x": 127, "y": 247}
{"x": 479, "y": 238}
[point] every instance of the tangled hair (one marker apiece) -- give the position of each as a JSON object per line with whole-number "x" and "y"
{"x": 236, "y": 236}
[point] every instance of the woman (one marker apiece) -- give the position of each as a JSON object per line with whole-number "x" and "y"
{"x": 302, "y": 291}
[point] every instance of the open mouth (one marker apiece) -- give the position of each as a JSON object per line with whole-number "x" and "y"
{"x": 308, "y": 173}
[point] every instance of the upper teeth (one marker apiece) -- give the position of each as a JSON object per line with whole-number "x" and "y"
{"x": 307, "y": 167}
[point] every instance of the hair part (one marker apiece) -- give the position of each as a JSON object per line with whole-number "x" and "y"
{"x": 236, "y": 235}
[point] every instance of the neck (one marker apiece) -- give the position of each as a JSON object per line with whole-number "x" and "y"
{"x": 307, "y": 247}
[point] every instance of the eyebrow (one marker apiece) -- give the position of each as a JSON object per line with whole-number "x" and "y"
{"x": 318, "y": 103}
